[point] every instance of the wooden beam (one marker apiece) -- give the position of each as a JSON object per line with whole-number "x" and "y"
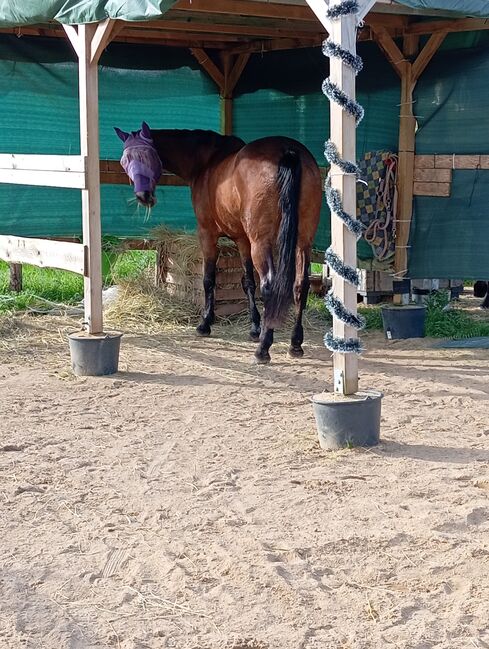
{"x": 89, "y": 147}
{"x": 386, "y": 43}
{"x": 246, "y": 8}
{"x": 343, "y": 242}
{"x": 209, "y": 66}
{"x": 66, "y": 179}
{"x": 43, "y": 253}
{"x": 41, "y": 162}
{"x": 248, "y": 31}
{"x": 448, "y": 26}
{"x": 102, "y": 38}
{"x": 427, "y": 54}
{"x": 236, "y": 71}
{"x": 72, "y": 34}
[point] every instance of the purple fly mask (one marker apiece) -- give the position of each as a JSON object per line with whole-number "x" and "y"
{"x": 141, "y": 163}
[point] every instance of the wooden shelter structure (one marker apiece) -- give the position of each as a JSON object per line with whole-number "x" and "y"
{"x": 222, "y": 35}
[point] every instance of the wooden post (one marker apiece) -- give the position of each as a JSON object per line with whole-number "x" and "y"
{"x": 89, "y": 147}
{"x": 226, "y": 80}
{"x": 409, "y": 65}
{"x": 88, "y": 42}
{"x": 15, "y": 277}
{"x": 343, "y": 242}
{"x": 226, "y": 97}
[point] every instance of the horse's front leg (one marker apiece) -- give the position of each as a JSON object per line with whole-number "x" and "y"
{"x": 209, "y": 250}
{"x": 249, "y": 287}
{"x": 301, "y": 291}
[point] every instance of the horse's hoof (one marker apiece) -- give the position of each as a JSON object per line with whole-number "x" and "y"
{"x": 262, "y": 359}
{"x": 254, "y": 336}
{"x": 295, "y": 352}
{"x": 203, "y": 330}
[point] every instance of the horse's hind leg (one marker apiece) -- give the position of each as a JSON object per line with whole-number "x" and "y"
{"x": 263, "y": 261}
{"x": 208, "y": 243}
{"x": 249, "y": 287}
{"x": 301, "y": 291}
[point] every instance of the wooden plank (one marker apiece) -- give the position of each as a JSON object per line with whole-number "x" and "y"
{"x": 15, "y": 282}
{"x": 484, "y": 161}
{"x": 386, "y": 43}
{"x": 42, "y": 162}
{"x": 101, "y": 38}
{"x": 70, "y": 179}
{"x": 230, "y": 29}
{"x": 427, "y": 54}
{"x": 89, "y": 147}
{"x": 236, "y": 72}
{"x": 247, "y": 8}
{"x": 462, "y": 25}
{"x": 72, "y": 34}
{"x": 43, "y": 253}
{"x": 424, "y": 161}
{"x": 343, "y": 32}
{"x": 209, "y": 66}
{"x": 431, "y": 189}
{"x": 443, "y": 161}
{"x": 433, "y": 175}
{"x": 467, "y": 162}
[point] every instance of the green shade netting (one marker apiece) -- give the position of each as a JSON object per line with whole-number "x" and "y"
{"x": 449, "y": 235}
{"x": 451, "y": 101}
{"x": 279, "y": 93}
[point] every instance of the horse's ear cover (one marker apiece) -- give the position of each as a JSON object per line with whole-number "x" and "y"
{"x": 146, "y": 131}
{"x": 122, "y": 134}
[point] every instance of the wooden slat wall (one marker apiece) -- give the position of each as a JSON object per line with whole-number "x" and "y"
{"x": 433, "y": 173}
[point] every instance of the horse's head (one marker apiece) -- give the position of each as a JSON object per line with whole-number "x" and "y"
{"x": 141, "y": 162}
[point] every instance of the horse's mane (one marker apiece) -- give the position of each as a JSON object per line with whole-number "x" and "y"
{"x": 199, "y": 139}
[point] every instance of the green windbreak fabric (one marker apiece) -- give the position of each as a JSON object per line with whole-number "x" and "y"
{"x": 477, "y": 8}
{"x": 451, "y": 100}
{"x": 38, "y": 97}
{"x": 449, "y": 237}
{"x": 279, "y": 93}
{"x": 29, "y": 12}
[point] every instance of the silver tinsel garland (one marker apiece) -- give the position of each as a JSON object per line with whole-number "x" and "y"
{"x": 333, "y": 196}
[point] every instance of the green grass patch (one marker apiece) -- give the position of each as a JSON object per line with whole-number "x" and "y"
{"x": 443, "y": 322}
{"x": 63, "y": 287}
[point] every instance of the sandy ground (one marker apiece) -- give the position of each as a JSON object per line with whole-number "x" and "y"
{"x": 185, "y": 501}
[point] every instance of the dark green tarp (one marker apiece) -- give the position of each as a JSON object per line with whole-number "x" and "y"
{"x": 29, "y": 12}
{"x": 449, "y": 237}
{"x": 279, "y": 93}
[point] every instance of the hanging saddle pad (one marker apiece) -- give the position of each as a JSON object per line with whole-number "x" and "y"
{"x": 376, "y": 201}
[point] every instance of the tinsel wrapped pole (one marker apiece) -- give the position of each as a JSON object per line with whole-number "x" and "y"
{"x": 344, "y": 242}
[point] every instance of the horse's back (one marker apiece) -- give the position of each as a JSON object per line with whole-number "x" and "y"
{"x": 256, "y": 170}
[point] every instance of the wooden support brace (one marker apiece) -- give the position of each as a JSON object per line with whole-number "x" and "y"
{"x": 209, "y": 66}
{"x": 103, "y": 34}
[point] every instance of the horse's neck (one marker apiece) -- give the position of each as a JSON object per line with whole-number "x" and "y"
{"x": 186, "y": 153}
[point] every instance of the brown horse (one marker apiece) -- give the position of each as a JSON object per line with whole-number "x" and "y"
{"x": 265, "y": 196}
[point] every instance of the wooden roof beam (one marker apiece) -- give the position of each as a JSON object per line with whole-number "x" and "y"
{"x": 247, "y": 8}
{"x": 447, "y": 26}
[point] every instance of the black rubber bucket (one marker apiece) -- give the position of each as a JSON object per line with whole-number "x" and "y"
{"x": 347, "y": 421}
{"x": 95, "y": 355}
{"x": 404, "y": 321}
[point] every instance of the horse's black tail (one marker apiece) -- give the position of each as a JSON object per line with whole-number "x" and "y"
{"x": 282, "y": 286}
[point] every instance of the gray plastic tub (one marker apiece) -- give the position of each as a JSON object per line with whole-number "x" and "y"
{"x": 94, "y": 355}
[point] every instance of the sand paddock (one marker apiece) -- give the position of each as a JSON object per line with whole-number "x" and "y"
{"x": 185, "y": 501}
